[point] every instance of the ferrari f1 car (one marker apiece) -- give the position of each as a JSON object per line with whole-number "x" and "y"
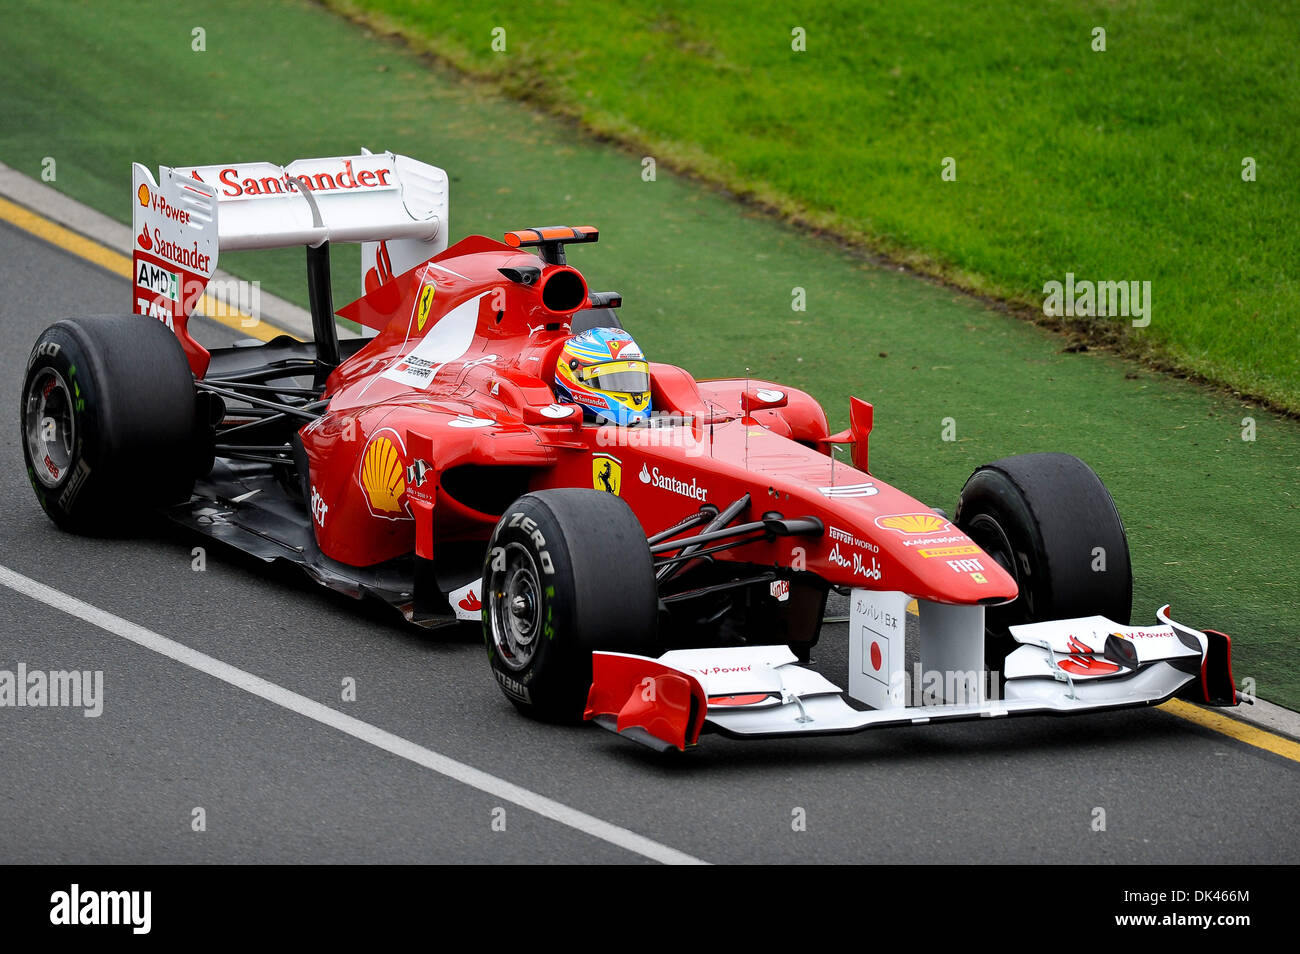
{"x": 643, "y": 549}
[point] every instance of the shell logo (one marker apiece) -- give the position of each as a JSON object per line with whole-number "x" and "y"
{"x": 143, "y": 194}
{"x": 914, "y": 523}
{"x": 383, "y": 476}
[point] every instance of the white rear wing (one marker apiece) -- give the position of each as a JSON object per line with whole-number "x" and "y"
{"x": 395, "y": 206}
{"x": 363, "y": 198}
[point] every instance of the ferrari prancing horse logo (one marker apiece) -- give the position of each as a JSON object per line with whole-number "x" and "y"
{"x": 425, "y": 306}
{"x": 607, "y": 473}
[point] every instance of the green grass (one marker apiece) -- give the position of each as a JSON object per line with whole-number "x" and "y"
{"x": 1212, "y": 519}
{"x": 1117, "y": 165}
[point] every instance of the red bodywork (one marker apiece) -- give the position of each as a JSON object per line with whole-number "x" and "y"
{"x": 436, "y": 425}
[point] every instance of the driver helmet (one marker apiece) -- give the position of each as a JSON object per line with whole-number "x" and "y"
{"x": 604, "y": 371}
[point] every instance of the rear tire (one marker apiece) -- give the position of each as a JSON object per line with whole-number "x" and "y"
{"x": 568, "y": 572}
{"x": 1051, "y": 523}
{"x": 108, "y": 421}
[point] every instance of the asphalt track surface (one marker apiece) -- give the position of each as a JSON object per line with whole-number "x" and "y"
{"x": 278, "y": 786}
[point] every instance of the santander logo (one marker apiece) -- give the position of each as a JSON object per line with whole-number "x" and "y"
{"x": 673, "y": 485}
{"x": 465, "y": 602}
{"x": 143, "y": 239}
{"x": 238, "y": 183}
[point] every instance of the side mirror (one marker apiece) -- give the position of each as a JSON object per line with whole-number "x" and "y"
{"x": 762, "y": 399}
{"x": 553, "y": 414}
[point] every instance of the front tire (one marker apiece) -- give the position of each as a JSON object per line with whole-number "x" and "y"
{"x": 568, "y": 572}
{"x": 108, "y": 421}
{"x": 1052, "y": 524}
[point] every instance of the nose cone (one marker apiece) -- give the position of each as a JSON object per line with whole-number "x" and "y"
{"x": 947, "y": 565}
{"x": 925, "y": 554}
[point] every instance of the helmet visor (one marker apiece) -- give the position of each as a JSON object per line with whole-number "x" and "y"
{"x": 626, "y": 377}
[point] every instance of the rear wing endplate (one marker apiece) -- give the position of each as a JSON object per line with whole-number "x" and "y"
{"x": 395, "y": 206}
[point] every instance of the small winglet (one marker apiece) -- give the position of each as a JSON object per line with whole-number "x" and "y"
{"x": 551, "y": 239}
{"x": 649, "y": 702}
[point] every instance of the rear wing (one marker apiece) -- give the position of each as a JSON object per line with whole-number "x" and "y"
{"x": 395, "y": 206}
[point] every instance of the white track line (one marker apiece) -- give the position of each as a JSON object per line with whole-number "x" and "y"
{"x": 373, "y": 735}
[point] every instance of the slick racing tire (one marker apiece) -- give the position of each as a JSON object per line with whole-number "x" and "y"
{"x": 1050, "y": 522}
{"x": 567, "y": 572}
{"x": 108, "y": 421}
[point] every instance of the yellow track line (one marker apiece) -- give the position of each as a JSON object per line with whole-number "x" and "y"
{"x": 120, "y": 264}
{"x": 1234, "y": 728}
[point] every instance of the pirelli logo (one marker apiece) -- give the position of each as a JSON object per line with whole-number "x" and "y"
{"x": 930, "y": 552}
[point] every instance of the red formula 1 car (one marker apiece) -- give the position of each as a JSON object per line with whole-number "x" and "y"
{"x": 643, "y": 549}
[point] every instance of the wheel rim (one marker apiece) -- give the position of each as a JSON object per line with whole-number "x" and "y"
{"x": 992, "y": 538}
{"x": 50, "y": 427}
{"x": 516, "y": 617}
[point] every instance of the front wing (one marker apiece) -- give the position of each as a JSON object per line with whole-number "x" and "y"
{"x": 1062, "y": 667}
